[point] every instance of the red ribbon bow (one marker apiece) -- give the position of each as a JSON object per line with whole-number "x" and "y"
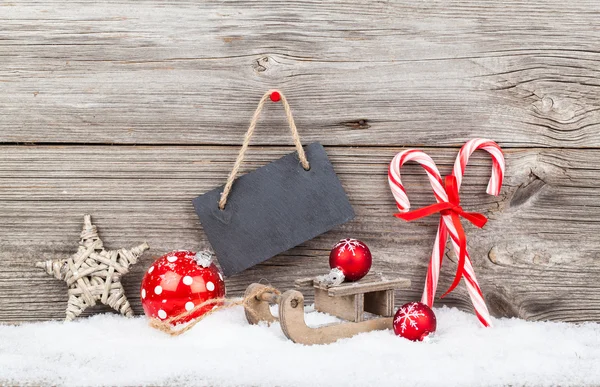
{"x": 451, "y": 207}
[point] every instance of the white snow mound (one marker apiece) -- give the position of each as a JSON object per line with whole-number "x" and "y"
{"x": 223, "y": 350}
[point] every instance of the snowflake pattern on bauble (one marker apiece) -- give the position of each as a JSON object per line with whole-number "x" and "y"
{"x": 349, "y": 244}
{"x": 407, "y": 314}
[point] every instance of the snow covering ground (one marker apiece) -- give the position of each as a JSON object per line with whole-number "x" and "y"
{"x": 223, "y": 350}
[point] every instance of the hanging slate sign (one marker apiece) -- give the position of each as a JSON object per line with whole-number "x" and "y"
{"x": 276, "y": 207}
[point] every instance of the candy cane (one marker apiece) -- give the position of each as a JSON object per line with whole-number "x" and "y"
{"x": 493, "y": 188}
{"x": 494, "y": 150}
{"x": 450, "y": 213}
{"x": 427, "y": 163}
{"x": 403, "y": 205}
{"x": 481, "y": 310}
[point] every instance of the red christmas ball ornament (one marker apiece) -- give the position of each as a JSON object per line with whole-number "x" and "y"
{"x": 352, "y": 257}
{"x": 414, "y": 321}
{"x": 179, "y": 281}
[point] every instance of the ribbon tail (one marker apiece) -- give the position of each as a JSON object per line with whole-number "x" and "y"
{"x": 444, "y": 238}
{"x": 462, "y": 256}
{"x": 477, "y": 219}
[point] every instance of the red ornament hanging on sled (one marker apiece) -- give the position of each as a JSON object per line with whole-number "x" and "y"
{"x": 179, "y": 281}
{"x": 352, "y": 257}
{"x": 350, "y": 260}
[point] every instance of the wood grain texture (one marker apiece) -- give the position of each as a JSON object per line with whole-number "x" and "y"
{"x": 535, "y": 259}
{"x": 138, "y": 106}
{"x": 349, "y": 308}
{"x": 525, "y": 73}
{"x": 380, "y": 303}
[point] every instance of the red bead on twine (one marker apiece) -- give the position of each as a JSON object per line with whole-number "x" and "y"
{"x": 275, "y": 96}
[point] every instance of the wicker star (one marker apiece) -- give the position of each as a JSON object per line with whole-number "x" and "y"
{"x": 93, "y": 273}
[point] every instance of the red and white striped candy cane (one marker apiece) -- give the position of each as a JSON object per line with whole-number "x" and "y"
{"x": 432, "y": 172}
{"x": 494, "y": 150}
{"x": 493, "y": 188}
{"x": 403, "y": 205}
{"x": 448, "y": 205}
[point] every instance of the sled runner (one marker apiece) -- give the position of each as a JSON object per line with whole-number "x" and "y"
{"x": 366, "y": 305}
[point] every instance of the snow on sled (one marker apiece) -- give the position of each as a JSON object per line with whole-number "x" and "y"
{"x": 366, "y": 305}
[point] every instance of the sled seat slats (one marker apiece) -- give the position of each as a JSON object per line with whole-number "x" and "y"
{"x": 350, "y": 301}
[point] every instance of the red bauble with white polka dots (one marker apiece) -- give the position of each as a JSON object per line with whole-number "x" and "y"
{"x": 179, "y": 281}
{"x": 414, "y": 321}
{"x": 352, "y": 257}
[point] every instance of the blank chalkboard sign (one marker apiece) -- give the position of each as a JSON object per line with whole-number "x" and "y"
{"x": 273, "y": 209}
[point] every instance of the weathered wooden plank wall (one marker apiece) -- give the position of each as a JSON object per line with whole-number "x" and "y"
{"x": 129, "y": 109}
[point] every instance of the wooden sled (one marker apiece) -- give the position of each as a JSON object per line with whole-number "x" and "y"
{"x": 348, "y": 301}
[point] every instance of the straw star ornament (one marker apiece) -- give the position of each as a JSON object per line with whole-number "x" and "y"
{"x": 93, "y": 273}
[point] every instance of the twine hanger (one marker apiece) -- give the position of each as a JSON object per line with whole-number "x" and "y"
{"x": 275, "y": 96}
